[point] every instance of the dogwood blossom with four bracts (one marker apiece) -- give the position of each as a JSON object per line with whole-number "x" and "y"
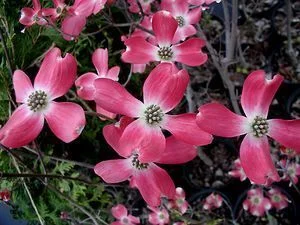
{"x": 152, "y": 181}
{"x": 140, "y": 51}
{"x": 256, "y": 203}
{"x": 291, "y": 171}
{"x": 30, "y": 16}
{"x": 256, "y": 98}
{"x": 158, "y": 216}
{"x": 65, "y": 119}
{"x": 179, "y": 201}
{"x": 277, "y": 199}
{"x": 121, "y": 214}
{"x": 213, "y": 201}
{"x": 163, "y": 90}
{"x": 185, "y": 17}
{"x": 85, "y": 83}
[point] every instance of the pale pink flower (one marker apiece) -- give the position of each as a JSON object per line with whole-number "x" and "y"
{"x": 30, "y": 16}
{"x": 140, "y": 51}
{"x": 256, "y": 203}
{"x": 238, "y": 171}
{"x": 277, "y": 199}
{"x": 158, "y": 216}
{"x": 65, "y": 119}
{"x": 121, "y": 214}
{"x": 213, "y": 201}
{"x": 162, "y": 91}
{"x": 256, "y": 98}
{"x": 152, "y": 181}
{"x": 185, "y": 18}
{"x": 179, "y": 202}
{"x": 85, "y": 83}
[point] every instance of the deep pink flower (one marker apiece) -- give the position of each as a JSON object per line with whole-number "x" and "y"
{"x": 184, "y": 16}
{"x": 163, "y": 90}
{"x": 179, "y": 202}
{"x": 30, "y": 16}
{"x": 255, "y": 156}
{"x": 140, "y": 51}
{"x": 85, "y": 83}
{"x": 213, "y": 201}
{"x": 277, "y": 199}
{"x": 152, "y": 181}
{"x": 158, "y": 216}
{"x": 65, "y": 119}
{"x": 238, "y": 171}
{"x": 256, "y": 203}
{"x": 120, "y": 212}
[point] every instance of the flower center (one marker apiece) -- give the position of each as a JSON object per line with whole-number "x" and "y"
{"x": 153, "y": 114}
{"x": 165, "y": 53}
{"x": 180, "y": 21}
{"x": 256, "y": 201}
{"x": 37, "y": 101}
{"x": 260, "y": 126}
{"x": 125, "y": 220}
{"x": 276, "y": 198}
{"x": 58, "y": 10}
{"x": 137, "y": 164}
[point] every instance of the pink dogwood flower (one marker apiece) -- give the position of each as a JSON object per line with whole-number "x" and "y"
{"x": 121, "y": 214}
{"x": 134, "y": 7}
{"x": 140, "y": 51}
{"x": 163, "y": 90}
{"x": 179, "y": 202}
{"x": 55, "y": 12}
{"x": 256, "y": 98}
{"x": 30, "y": 16}
{"x": 158, "y": 216}
{"x": 291, "y": 171}
{"x": 85, "y": 83}
{"x": 75, "y": 20}
{"x": 65, "y": 119}
{"x": 213, "y": 201}
{"x": 256, "y": 203}
{"x": 202, "y": 2}
{"x": 184, "y": 16}
{"x": 152, "y": 181}
{"x": 238, "y": 171}
{"x": 277, "y": 199}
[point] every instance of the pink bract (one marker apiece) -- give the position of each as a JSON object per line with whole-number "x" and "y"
{"x": 238, "y": 171}
{"x": 65, "y": 119}
{"x": 163, "y": 90}
{"x": 121, "y": 214}
{"x": 140, "y": 51}
{"x": 256, "y": 98}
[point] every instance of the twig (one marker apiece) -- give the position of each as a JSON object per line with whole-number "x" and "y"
{"x": 9, "y": 63}
{"x": 222, "y": 69}
{"x": 129, "y": 76}
{"x": 28, "y": 193}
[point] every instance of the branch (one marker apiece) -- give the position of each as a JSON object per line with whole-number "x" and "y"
{"x": 9, "y": 63}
